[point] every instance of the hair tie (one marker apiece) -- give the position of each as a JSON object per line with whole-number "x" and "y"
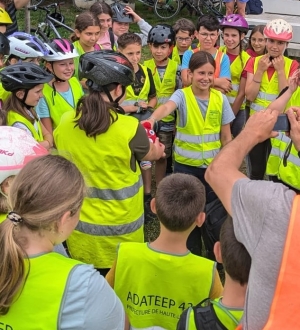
{"x": 14, "y": 217}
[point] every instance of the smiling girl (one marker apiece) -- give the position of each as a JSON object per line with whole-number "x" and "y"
{"x": 257, "y": 42}
{"x": 25, "y": 81}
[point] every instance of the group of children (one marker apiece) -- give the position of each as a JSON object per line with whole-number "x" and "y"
{"x": 202, "y": 95}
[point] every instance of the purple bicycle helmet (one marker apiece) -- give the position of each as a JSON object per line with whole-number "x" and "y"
{"x": 235, "y": 21}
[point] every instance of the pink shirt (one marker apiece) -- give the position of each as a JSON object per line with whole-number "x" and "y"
{"x": 104, "y": 41}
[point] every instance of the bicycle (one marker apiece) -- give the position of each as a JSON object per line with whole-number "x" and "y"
{"x": 166, "y": 9}
{"x": 53, "y": 20}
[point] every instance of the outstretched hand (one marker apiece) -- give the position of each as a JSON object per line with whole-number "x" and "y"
{"x": 293, "y": 114}
{"x": 294, "y": 81}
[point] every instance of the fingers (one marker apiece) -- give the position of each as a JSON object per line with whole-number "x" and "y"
{"x": 293, "y": 116}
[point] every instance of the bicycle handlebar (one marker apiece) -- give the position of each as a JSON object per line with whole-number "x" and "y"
{"x": 46, "y": 8}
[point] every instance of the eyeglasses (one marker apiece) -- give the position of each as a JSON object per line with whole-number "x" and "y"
{"x": 179, "y": 39}
{"x": 208, "y": 35}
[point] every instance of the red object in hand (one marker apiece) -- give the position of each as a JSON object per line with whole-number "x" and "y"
{"x": 150, "y": 133}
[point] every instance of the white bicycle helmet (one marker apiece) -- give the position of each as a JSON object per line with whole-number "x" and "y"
{"x": 279, "y": 29}
{"x": 25, "y": 45}
{"x": 60, "y": 49}
{"x": 17, "y": 148}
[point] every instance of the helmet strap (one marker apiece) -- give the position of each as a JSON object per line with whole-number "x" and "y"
{"x": 55, "y": 76}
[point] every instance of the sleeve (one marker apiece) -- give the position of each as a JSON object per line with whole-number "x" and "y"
{"x": 227, "y": 113}
{"x": 225, "y": 67}
{"x": 178, "y": 98}
{"x": 186, "y": 59}
{"x": 140, "y": 144}
{"x": 145, "y": 27}
{"x": 250, "y": 65}
{"x": 294, "y": 67}
{"x": 152, "y": 91}
{"x": 217, "y": 287}
{"x": 23, "y": 127}
{"x": 90, "y": 303}
{"x": 252, "y": 203}
{"x": 42, "y": 109}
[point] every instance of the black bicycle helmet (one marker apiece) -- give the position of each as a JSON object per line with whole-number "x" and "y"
{"x": 4, "y": 45}
{"x": 25, "y": 75}
{"x": 119, "y": 14}
{"x": 59, "y": 17}
{"x": 161, "y": 34}
{"x": 105, "y": 67}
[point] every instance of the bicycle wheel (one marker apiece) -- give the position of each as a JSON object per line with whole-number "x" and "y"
{"x": 167, "y": 8}
{"x": 208, "y": 7}
{"x": 35, "y": 2}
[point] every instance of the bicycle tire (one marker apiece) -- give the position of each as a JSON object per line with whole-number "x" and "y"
{"x": 35, "y": 2}
{"x": 167, "y": 8}
{"x": 207, "y": 7}
{"x": 40, "y": 34}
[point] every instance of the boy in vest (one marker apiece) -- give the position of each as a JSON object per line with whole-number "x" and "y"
{"x": 141, "y": 94}
{"x": 184, "y": 34}
{"x": 207, "y": 32}
{"x": 156, "y": 281}
{"x": 165, "y": 72}
{"x": 224, "y": 312}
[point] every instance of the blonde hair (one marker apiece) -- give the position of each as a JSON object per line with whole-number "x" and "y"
{"x": 42, "y": 192}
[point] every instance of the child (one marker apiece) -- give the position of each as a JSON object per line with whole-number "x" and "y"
{"x": 207, "y": 33}
{"x": 123, "y": 16}
{"x": 257, "y": 42}
{"x": 5, "y": 20}
{"x": 267, "y": 75}
{"x": 4, "y": 49}
{"x": 184, "y": 34}
{"x": 224, "y": 312}
{"x": 161, "y": 39}
{"x": 241, "y": 7}
{"x": 234, "y": 28}
{"x": 103, "y": 12}
{"x": 199, "y": 134}
{"x": 85, "y": 36}
{"x": 171, "y": 277}
{"x": 45, "y": 201}
{"x": 141, "y": 93}
{"x": 63, "y": 92}
{"x": 25, "y": 82}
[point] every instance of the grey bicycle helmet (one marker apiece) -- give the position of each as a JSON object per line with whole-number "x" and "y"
{"x": 4, "y": 45}
{"x": 119, "y": 14}
{"x": 25, "y": 75}
{"x": 161, "y": 34}
{"x": 105, "y": 67}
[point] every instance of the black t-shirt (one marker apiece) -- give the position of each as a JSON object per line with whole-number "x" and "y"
{"x": 140, "y": 80}
{"x": 11, "y": 10}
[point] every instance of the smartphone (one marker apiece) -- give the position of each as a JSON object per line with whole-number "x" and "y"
{"x": 282, "y": 124}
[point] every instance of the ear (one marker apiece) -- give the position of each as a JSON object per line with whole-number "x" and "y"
{"x": 200, "y": 219}
{"x": 77, "y": 33}
{"x": 196, "y": 34}
{"x": 61, "y": 223}
{"x": 20, "y": 94}
{"x": 153, "y": 205}
{"x": 242, "y": 36}
{"x": 217, "y": 252}
{"x": 49, "y": 66}
{"x": 190, "y": 73}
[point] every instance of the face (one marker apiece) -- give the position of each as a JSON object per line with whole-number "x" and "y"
{"x": 133, "y": 52}
{"x": 1, "y": 61}
{"x": 120, "y": 28}
{"x": 183, "y": 40}
{"x": 202, "y": 78}
{"x": 89, "y": 36}
{"x": 2, "y": 28}
{"x": 63, "y": 69}
{"x": 160, "y": 52}
{"x": 275, "y": 48}
{"x": 258, "y": 43}
{"x": 207, "y": 39}
{"x": 105, "y": 22}
{"x": 232, "y": 38}
{"x": 34, "y": 95}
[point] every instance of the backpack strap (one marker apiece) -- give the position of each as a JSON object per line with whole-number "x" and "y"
{"x": 226, "y": 311}
{"x": 111, "y": 38}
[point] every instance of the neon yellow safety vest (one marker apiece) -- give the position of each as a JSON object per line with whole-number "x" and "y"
{"x": 13, "y": 117}
{"x": 236, "y": 69}
{"x": 155, "y": 287}
{"x": 80, "y": 51}
{"x": 4, "y": 94}
{"x": 230, "y": 318}
{"x": 113, "y": 211}
{"x": 166, "y": 87}
{"x": 131, "y": 97}
{"x": 269, "y": 90}
{"x": 197, "y": 141}
{"x": 175, "y": 55}
{"x": 39, "y": 304}
{"x": 57, "y": 105}
{"x": 3, "y": 217}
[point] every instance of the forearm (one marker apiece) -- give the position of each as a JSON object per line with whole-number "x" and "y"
{"x": 129, "y": 108}
{"x": 153, "y": 153}
{"x": 282, "y": 81}
{"x": 253, "y": 86}
{"x": 236, "y": 106}
{"x": 152, "y": 102}
{"x": 186, "y": 79}
{"x": 280, "y": 103}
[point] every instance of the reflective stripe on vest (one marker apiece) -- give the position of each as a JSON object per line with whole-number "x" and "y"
{"x": 38, "y": 306}
{"x": 165, "y": 87}
{"x": 13, "y": 118}
{"x": 276, "y": 154}
{"x": 175, "y": 287}
{"x": 269, "y": 89}
{"x": 236, "y": 68}
{"x": 218, "y": 59}
{"x": 113, "y": 211}
{"x": 198, "y": 141}
{"x": 131, "y": 97}
{"x": 57, "y": 104}
{"x": 284, "y": 312}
